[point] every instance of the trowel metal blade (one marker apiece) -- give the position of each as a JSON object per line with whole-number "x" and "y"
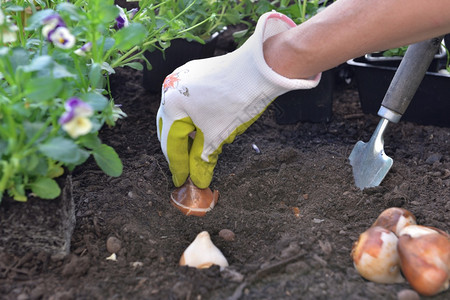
{"x": 370, "y": 163}
{"x": 369, "y": 167}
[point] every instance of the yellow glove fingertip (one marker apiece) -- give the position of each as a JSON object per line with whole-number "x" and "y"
{"x": 201, "y": 171}
{"x": 178, "y": 150}
{"x": 179, "y": 178}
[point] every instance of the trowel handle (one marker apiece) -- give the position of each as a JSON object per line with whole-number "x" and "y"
{"x": 407, "y": 78}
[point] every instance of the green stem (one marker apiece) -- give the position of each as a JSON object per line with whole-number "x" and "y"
{"x": 130, "y": 59}
{"x": 84, "y": 82}
{"x": 108, "y": 86}
{"x": 12, "y": 127}
{"x": 7, "y": 71}
{"x": 8, "y": 171}
{"x": 38, "y": 134}
{"x": 21, "y": 31}
{"x": 118, "y": 61}
{"x": 219, "y": 19}
{"x": 194, "y": 26}
{"x": 135, "y": 48}
{"x": 303, "y": 10}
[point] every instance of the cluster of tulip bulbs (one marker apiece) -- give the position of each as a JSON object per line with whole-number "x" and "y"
{"x": 395, "y": 248}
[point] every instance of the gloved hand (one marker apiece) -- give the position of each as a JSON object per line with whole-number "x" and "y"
{"x": 219, "y": 98}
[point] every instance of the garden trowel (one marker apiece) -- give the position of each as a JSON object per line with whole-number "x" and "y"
{"x": 370, "y": 163}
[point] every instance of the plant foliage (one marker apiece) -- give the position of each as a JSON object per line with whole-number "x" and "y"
{"x": 55, "y": 61}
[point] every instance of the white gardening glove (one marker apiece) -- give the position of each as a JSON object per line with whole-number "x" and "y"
{"x": 219, "y": 98}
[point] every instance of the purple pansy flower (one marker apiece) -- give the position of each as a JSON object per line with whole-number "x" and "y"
{"x": 132, "y": 13}
{"x": 121, "y": 20}
{"x": 62, "y": 38}
{"x": 55, "y": 30}
{"x": 75, "y": 107}
{"x": 84, "y": 49}
{"x": 51, "y": 23}
{"x": 54, "y": 20}
{"x": 75, "y": 119}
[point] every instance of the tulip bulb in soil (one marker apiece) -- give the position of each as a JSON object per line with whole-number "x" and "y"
{"x": 395, "y": 219}
{"x": 202, "y": 253}
{"x": 375, "y": 256}
{"x": 425, "y": 258}
{"x": 191, "y": 200}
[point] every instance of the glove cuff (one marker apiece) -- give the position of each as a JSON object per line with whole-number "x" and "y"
{"x": 270, "y": 24}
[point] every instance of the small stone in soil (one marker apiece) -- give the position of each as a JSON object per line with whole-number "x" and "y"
{"x": 408, "y": 295}
{"x": 227, "y": 235}
{"x": 232, "y": 275}
{"x": 113, "y": 244}
{"x": 436, "y": 157}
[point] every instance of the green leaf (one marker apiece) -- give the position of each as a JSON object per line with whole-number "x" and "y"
{"x": 4, "y": 99}
{"x": 107, "y": 43}
{"x": 18, "y": 192}
{"x": 96, "y": 100}
{"x": 95, "y": 74}
{"x": 69, "y": 8}
{"x": 64, "y": 150}
{"x": 90, "y": 141}
{"x": 45, "y": 188}
{"x": 240, "y": 33}
{"x": 4, "y": 51}
{"x": 135, "y": 65}
{"x": 31, "y": 128}
{"x": 102, "y": 11}
{"x": 29, "y": 163}
{"x": 40, "y": 3}
{"x": 108, "y": 12}
{"x": 60, "y": 71}
{"x": 38, "y": 63}
{"x": 108, "y": 160}
{"x": 130, "y": 36}
{"x": 19, "y": 57}
{"x": 14, "y": 8}
{"x": 189, "y": 36}
{"x": 107, "y": 67}
{"x": 55, "y": 171}
{"x": 35, "y": 21}
{"x": 43, "y": 88}
{"x": 41, "y": 168}
{"x": 3, "y": 145}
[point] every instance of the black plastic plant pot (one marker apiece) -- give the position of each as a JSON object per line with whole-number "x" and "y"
{"x": 439, "y": 61}
{"x": 429, "y": 106}
{"x": 180, "y": 52}
{"x": 313, "y": 105}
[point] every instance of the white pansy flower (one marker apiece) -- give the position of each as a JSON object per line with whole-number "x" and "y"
{"x": 75, "y": 120}
{"x": 62, "y": 38}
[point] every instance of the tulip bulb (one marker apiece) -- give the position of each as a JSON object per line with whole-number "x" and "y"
{"x": 395, "y": 219}
{"x": 375, "y": 256}
{"x": 202, "y": 253}
{"x": 425, "y": 258}
{"x": 191, "y": 200}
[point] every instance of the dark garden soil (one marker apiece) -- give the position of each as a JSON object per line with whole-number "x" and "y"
{"x": 293, "y": 207}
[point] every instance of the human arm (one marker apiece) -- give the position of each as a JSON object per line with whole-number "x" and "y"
{"x": 219, "y": 98}
{"x": 346, "y": 29}
{"x": 350, "y": 28}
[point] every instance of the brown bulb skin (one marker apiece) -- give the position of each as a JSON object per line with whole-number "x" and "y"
{"x": 425, "y": 259}
{"x": 193, "y": 201}
{"x": 395, "y": 219}
{"x": 375, "y": 256}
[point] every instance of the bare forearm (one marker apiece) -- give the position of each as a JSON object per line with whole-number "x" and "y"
{"x": 350, "y": 28}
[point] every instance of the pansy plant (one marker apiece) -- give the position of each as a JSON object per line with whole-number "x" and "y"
{"x": 56, "y": 31}
{"x": 55, "y": 63}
